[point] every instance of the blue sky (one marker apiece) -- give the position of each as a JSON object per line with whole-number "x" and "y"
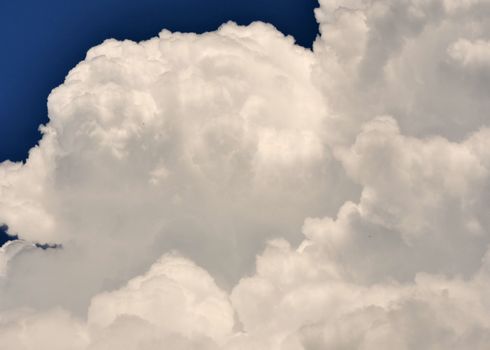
{"x": 42, "y": 41}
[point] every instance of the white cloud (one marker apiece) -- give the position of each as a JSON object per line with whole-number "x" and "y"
{"x": 175, "y": 303}
{"x": 392, "y": 58}
{"x": 202, "y": 143}
{"x": 190, "y": 303}
{"x": 8, "y": 251}
{"x": 471, "y": 53}
{"x": 375, "y": 146}
{"x": 27, "y": 330}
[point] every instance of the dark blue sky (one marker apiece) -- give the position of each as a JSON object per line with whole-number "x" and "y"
{"x": 42, "y": 40}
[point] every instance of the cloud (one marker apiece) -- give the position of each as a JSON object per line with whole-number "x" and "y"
{"x": 175, "y": 303}
{"x": 8, "y": 251}
{"x": 207, "y": 144}
{"x": 470, "y": 53}
{"x": 190, "y": 301}
{"x": 397, "y": 58}
{"x": 357, "y": 175}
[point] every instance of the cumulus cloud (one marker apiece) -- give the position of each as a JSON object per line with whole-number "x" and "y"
{"x": 209, "y": 144}
{"x": 356, "y": 175}
{"x": 190, "y": 301}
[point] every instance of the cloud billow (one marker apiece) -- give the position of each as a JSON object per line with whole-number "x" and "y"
{"x": 355, "y": 176}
